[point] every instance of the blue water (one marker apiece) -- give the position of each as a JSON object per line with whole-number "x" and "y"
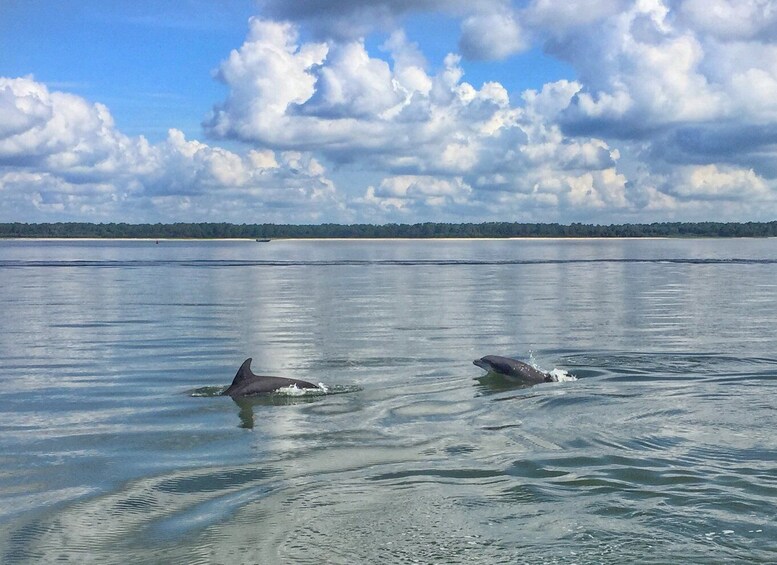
{"x": 114, "y": 447}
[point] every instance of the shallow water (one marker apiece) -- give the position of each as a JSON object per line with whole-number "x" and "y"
{"x": 114, "y": 449}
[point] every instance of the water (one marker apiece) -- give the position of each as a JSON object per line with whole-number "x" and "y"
{"x": 662, "y": 451}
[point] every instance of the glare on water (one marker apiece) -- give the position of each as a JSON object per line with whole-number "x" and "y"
{"x": 656, "y": 445}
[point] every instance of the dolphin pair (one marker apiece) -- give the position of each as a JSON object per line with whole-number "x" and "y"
{"x": 246, "y": 383}
{"x": 513, "y": 370}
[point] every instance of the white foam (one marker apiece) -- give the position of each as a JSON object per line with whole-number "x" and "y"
{"x": 560, "y": 375}
{"x": 294, "y": 390}
{"x": 291, "y": 390}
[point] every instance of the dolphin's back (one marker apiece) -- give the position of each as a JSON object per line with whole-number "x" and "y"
{"x": 243, "y": 373}
{"x": 246, "y": 383}
{"x": 514, "y": 368}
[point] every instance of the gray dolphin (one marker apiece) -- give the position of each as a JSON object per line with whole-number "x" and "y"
{"x": 246, "y": 383}
{"x": 513, "y": 369}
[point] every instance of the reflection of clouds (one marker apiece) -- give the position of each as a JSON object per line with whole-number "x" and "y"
{"x": 16, "y": 504}
{"x": 108, "y": 353}
{"x": 94, "y": 525}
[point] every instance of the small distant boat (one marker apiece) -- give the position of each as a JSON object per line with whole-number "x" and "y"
{"x": 260, "y": 240}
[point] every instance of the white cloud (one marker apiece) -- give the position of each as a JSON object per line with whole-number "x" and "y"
{"x": 63, "y": 155}
{"x": 66, "y": 135}
{"x": 399, "y": 198}
{"x": 599, "y": 189}
{"x": 491, "y": 35}
{"x": 21, "y": 107}
{"x": 713, "y": 182}
{"x": 756, "y": 92}
{"x": 399, "y": 117}
{"x": 347, "y": 20}
{"x": 437, "y": 130}
{"x": 731, "y": 19}
{"x": 267, "y": 76}
{"x": 672, "y": 110}
{"x": 409, "y": 65}
{"x": 546, "y": 105}
{"x": 353, "y": 85}
{"x": 639, "y": 73}
{"x": 560, "y": 17}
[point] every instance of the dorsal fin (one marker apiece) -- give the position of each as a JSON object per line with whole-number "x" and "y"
{"x": 244, "y": 372}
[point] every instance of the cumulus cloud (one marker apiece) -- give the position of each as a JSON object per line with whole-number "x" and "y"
{"x": 352, "y": 19}
{"x": 671, "y": 113}
{"x": 651, "y": 65}
{"x": 352, "y": 103}
{"x": 62, "y": 154}
{"x": 713, "y": 182}
{"x": 561, "y": 17}
{"x": 440, "y": 141}
{"x": 21, "y": 108}
{"x": 66, "y": 135}
{"x": 490, "y": 28}
{"x": 491, "y": 35}
{"x": 731, "y": 20}
{"x": 408, "y": 192}
{"x": 639, "y": 74}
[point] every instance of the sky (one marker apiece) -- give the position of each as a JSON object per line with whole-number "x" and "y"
{"x": 381, "y": 111}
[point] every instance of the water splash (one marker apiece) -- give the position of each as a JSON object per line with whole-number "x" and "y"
{"x": 562, "y": 376}
{"x": 559, "y": 375}
{"x": 294, "y": 390}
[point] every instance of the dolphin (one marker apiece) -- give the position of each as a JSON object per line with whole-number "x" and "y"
{"x": 513, "y": 369}
{"x": 246, "y": 383}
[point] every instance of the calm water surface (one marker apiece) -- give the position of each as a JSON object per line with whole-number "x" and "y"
{"x": 113, "y": 448}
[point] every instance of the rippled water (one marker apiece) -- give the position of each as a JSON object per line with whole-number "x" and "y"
{"x": 114, "y": 449}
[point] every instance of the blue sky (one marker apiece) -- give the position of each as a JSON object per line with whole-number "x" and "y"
{"x": 301, "y": 111}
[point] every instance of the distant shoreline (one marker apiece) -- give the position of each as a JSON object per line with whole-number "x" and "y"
{"x": 425, "y": 231}
{"x": 343, "y": 239}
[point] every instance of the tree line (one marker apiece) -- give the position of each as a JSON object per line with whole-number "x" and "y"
{"x": 381, "y": 231}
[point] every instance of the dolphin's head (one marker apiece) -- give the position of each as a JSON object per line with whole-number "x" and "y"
{"x": 495, "y": 364}
{"x": 484, "y": 363}
{"x": 511, "y": 368}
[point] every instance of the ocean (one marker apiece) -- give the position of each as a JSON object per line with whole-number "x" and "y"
{"x": 659, "y": 447}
